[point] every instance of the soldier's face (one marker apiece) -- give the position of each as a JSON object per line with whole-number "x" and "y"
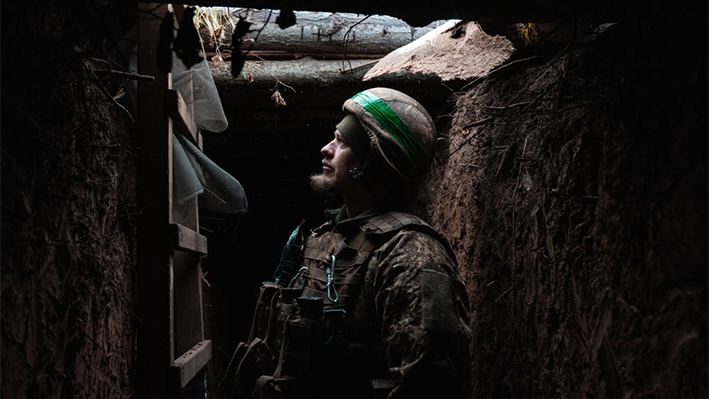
{"x": 336, "y": 164}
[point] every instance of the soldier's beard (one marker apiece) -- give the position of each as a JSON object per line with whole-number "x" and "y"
{"x": 321, "y": 185}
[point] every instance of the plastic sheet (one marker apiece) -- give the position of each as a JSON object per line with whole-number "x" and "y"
{"x": 198, "y": 84}
{"x": 196, "y": 175}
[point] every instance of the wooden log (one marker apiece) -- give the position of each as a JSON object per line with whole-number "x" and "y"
{"x": 415, "y": 14}
{"x": 288, "y": 55}
{"x": 316, "y": 33}
{"x": 302, "y": 72}
{"x": 423, "y": 13}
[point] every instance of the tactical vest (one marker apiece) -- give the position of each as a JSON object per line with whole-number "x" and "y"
{"x": 322, "y": 324}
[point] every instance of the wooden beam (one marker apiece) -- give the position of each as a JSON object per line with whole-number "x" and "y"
{"x": 189, "y": 240}
{"x": 181, "y": 116}
{"x": 303, "y": 72}
{"x": 290, "y": 55}
{"x": 154, "y": 267}
{"x": 192, "y": 361}
{"x": 318, "y": 33}
{"x": 169, "y": 283}
{"x": 421, "y": 14}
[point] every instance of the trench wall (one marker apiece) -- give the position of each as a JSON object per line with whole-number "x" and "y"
{"x": 68, "y": 206}
{"x": 573, "y": 189}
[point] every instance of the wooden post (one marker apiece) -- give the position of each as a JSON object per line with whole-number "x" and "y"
{"x": 172, "y": 350}
{"x": 155, "y": 268}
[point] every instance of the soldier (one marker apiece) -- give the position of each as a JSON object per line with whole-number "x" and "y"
{"x": 369, "y": 304}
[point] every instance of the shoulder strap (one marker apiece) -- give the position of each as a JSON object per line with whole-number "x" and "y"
{"x": 394, "y": 221}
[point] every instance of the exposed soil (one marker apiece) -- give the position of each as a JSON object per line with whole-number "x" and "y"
{"x": 575, "y": 200}
{"x": 453, "y": 51}
{"x": 68, "y": 203}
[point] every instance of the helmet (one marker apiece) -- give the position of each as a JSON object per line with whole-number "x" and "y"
{"x": 402, "y": 133}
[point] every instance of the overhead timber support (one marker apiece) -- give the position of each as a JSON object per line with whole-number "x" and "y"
{"x": 501, "y": 11}
{"x": 321, "y": 35}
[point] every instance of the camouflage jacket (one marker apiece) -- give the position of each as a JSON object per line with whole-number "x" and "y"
{"x": 398, "y": 282}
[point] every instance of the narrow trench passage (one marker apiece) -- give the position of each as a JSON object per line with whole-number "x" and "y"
{"x": 574, "y": 196}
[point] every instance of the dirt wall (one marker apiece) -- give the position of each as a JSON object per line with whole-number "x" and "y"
{"x": 68, "y": 206}
{"x": 573, "y": 188}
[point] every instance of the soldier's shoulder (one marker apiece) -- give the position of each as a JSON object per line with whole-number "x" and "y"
{"x": 398, "y": 226}
{"x": 393, "y": 221}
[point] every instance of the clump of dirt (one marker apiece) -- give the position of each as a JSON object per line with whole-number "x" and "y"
{"x": 68, "y": 189}
{"x": 573, "y": 191}
{"x": 455, "y": 50}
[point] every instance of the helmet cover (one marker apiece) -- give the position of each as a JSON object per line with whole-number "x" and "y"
{"x": 401, "y": 130}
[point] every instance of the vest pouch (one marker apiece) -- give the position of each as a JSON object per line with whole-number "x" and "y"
{"x": 304, "y": 336}
{"x": 336, "y": 328}
{"x": 286, "y": 309}
{"x": 310, "y": 307}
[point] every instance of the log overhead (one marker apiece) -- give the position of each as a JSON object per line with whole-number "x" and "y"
{"x": 316, "y": 34}
{"x": 423, "y": 13}
{"x": 323, "y": 50}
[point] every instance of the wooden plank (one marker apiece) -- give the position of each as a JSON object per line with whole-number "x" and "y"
{"x": 192, "y": 361}
{"x": 189, "y": 247}
{"x": 188, "y": 239}
{"x": 181, "y": 116}
{"x": 189, "y": 328}
{"x": 154, "y": 266}
{"x": 169, "y": 281}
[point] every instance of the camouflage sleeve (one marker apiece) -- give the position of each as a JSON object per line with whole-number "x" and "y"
{"x": 422, "y": 307}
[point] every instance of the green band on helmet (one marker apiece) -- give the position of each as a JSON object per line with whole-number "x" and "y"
{"x": 395, "y": 126}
